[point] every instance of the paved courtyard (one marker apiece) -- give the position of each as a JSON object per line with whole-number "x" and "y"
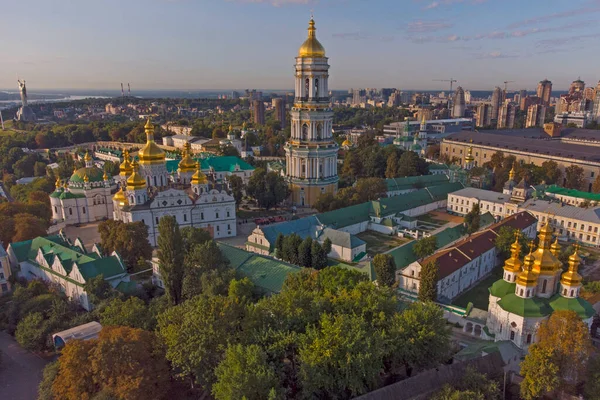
{"x": 88, "y": 233}
{"x": 20, "y": 370}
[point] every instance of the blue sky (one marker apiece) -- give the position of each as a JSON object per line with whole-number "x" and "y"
{"x": 212, "y": 44}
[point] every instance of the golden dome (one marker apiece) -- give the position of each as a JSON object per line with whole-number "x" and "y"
{"x": 86, "y": 179}
{"x": 135, "y": 181}
{"x": 125, "y": 168}
{"x": 151, "y": 153}
{"x": 346, "y": 143}
{"x": 199, "y": 178}
{"x": 87, "y": 157}
{"x": 58, "y": 183}
{"x": 120, "y": 197}
{"x": 187, "y": 163}
{"x": 528, "y": 277}
{"x": 469, "y": 157}
{"x": 572, "y": 277}
{"x": 546, "y": 263}
{"x": 311, "y": 46}
{"x": 555, "y": 248}
{"x": 511, "y": 173}
{"x": 514, "y": 264}
{"x": 105, "y": 176}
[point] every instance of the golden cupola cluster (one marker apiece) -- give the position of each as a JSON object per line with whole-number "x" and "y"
{"x": 126, "y": 169}
{"x": 135, "y": 181}
{"x": 528, "y": 277}
{"x": 199, "y": 178}
{"x": 546, "y": 262}
{"x": 572, "y": 277}
{"x": 311, "y": 47}
{"x": 120, "y": 198}
{"x": 151, "y": 154}
{"x": 187, "y": 163}
{"x": 513, "y": 263}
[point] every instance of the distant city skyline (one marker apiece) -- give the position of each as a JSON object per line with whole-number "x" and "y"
{"x": 217, "y": 44}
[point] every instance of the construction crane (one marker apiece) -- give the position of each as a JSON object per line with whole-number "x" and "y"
{"x": 506, "y": 85}
{"x": 451, "y": 80}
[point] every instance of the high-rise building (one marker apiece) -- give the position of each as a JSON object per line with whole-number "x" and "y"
{"x": 467, "y": 96}
{"x": 506, "y": 116}
{"x": 496, "y": 102}
{"x": 235, "y": 95}
{"x": 311, "y": 152}
{"x": 544, "y": 91}
{"x": 536, "y": 115}
{"x": 577, "y": 86}
{"x": 484, "y": 115}
{"x": 589, "y": 93}
{"x": 279, "y": 105}
{"x": 459, "y": 103}
{"x": 596, "y": 105}
{"x": 258, "y": 111}
{"x": 405, "y": 97}
{"x": 395, "y": 99}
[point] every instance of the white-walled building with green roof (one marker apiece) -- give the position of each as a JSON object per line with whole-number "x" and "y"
{"x": 85, "y": 197}
{"x": 57, "y": 260}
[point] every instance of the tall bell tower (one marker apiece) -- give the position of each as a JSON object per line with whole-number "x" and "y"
{"x": 311, "y": 152}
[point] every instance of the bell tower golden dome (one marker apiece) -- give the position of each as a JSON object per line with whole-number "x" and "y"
{"x": 311, "y": 46}
{"x": 151, "y": 153}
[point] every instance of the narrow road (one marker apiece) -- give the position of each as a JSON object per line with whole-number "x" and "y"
{"x": 20, "y": 370}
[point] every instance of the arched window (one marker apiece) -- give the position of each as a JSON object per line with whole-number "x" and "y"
{"x": 304, "y": 132}
{"x": 155, "y": 181}
{"x": 565, "y": 292}
{"x": 544, "y": 285}
{"x": 521, "y": 292}
{"x": 571, "y": 293}
{"x": 319, "y": 131}
{"x": 316, "y": 88}
{"x": 306, "y": 87}
{"x": 529, "y": 338}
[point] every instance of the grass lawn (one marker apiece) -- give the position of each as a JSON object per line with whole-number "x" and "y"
{"x": 378, "y": 243}
{"x": 479, "y": 294}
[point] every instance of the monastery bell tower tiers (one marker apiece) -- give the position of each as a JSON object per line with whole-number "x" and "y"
{"x": 311, "y": 153}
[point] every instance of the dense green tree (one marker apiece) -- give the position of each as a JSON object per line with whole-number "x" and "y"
{"x": 410, "y": 164}
{"x": 193, "y": 236}
{"x": 244, "y": 373}
{"x": 318, "y": 256}
{"x": 130, "y": 240}
{"x": 197, "y": 332}
{"x": 170, "y": 257}
{"x": 429, "y": 280}
{"x": 98, "y": 289}
{"x": 575, "y": 177}
{"x": 392, "y": 166}
{"x": 540, "y": 373}
{"x": 31, "y": 332}
{"x": 591, "y": 388}
{"x": 420, "y": 337}
{"x": 552, "y": 172}
{"x": 279, "y": 246}
{"x": 131, "y": 312}
{"x": 472, "y": 219}
{"x": 236, "y": 185}
{"x": 304, "y": 253}
{"x": 341, "y": 358}
{"x": 425, "y": 247}
{"x": 206, "y": 271}
{"x": 268, "y": 188}
{"x": 385, "y": 269}
{"x": 242, "y": 290}
{"x": 472, "y": 386}
{"x": 291, "y": 244}
{"x": 327, "y": 245}
{"x": 505, "y": 239}
{"x": 334, "y": 279}
{"x": 596, "y": 185}
{"x": 49, "y": 375}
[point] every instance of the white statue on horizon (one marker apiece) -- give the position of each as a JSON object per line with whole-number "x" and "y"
{"x": 23, "y": 92}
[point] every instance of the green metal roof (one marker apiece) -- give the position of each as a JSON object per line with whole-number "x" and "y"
{"x": 579, "y": 305}
{"x": 437, "y": 166}
{"x": 70, "y": 195}
{"x": 265, "y": 272}
{"x": 346, "y": 216}
{"x": 127, "y": 287}
{"x": 56, "y": 194}
{"x": 94, "y": 174}
{"x": 90, "y": 264}
{"x": 573, "y": 193}
{"x": 415, "y": 182}
{"x": 533, "y": 307}
{"x": 501, "y": 288}
{"x": 218, "y": 163}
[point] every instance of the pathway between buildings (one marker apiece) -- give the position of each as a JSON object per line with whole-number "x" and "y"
{"x": 20, "y": 370}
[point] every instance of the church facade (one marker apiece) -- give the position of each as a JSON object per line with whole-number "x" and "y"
{"x": 311, "y": 152}
{"x": 149, "y": 191}
{"x": 532, "y": 289}
{"x": 85, "y": 197}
